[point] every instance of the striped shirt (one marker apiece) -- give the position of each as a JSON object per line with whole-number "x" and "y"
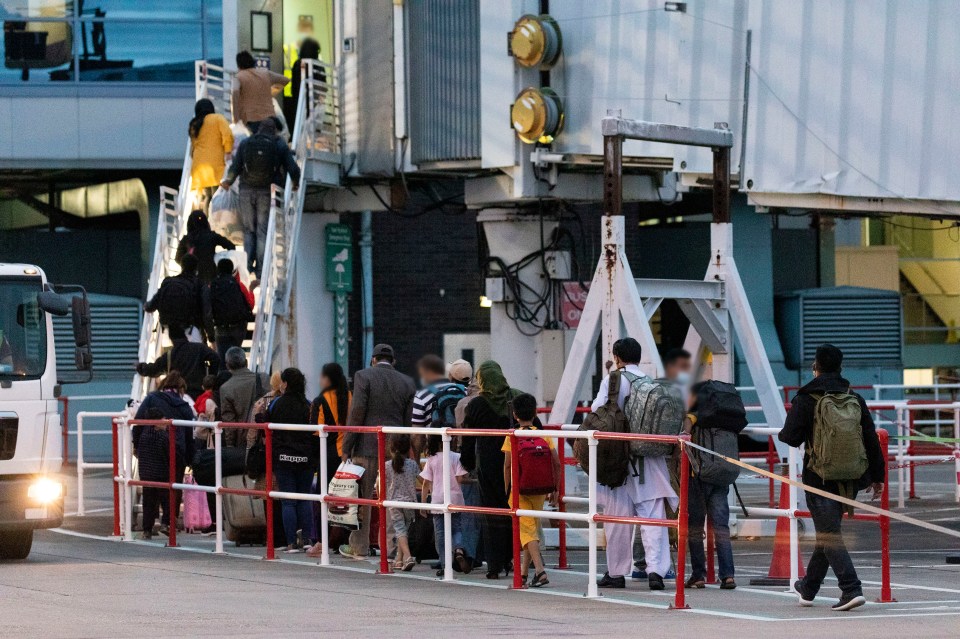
{"x": 424, "y": 402}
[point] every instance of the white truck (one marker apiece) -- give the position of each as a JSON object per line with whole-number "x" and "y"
{"x": 31, "y": 493}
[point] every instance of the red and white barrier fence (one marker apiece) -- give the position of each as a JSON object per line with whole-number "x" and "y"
{"x": 592, "y": 517}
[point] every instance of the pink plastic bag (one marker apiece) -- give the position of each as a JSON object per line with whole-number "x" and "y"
{"x": 196, "y": 513}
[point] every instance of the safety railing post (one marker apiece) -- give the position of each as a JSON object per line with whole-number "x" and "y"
{"x": 218, "y": 484}
{"x": 129, "y": 490}
{"x": 901, "y": 470}
{"x": 381, "y": 497}
{"x": 592, "y": 523}
{"x": 515, "y": 504}
{"x": 711, "y": 548}
{"x": 679, "y": 601}
{"x": 171, "y": 493}
{"x": 81, "y": 510}
{"x": 268, "y": 505}
{"x": 792, "y": 467}
{"x": 912, "y": 470}
{"x": 886, "y": 595}
{"x": 561, "y": 506}
{"x": 324, "y": 512}
{"x": 956, "y": 451}
{"x": 447, "y": 558}
{"x": 115, "y": 446}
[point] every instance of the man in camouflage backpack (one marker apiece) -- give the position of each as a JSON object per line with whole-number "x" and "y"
{"x": 646, "y": 493}
{"x": 826, "y": 416}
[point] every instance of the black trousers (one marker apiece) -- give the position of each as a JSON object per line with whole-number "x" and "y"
{"x": 229, "y": 336}
{"x": 495, "y": 530}
{"x": 830, "y": 550}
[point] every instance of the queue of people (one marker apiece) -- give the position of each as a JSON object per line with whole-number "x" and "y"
{"x": 451, "y": 395}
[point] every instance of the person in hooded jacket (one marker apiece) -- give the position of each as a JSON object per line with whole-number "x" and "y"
{"x": 151, "y": 447}
{"x": 309, "y": 50}
{"x": 827, "y": 514}
{"x": 211, "y": 142}
{"x": 202, "y": 242}
{"x": 295, "y": 457}
{"x": 491, "y": 410}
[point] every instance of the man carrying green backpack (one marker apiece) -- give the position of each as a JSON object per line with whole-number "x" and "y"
{"x": 842, "y": 456}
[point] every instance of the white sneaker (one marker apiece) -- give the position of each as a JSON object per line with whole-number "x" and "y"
{"x": 849, "y": 604}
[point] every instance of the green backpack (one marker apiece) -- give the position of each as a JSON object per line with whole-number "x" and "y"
{"x": 837, "y": 452}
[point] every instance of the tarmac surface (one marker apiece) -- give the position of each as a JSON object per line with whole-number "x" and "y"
{"x": 79, "y": 583}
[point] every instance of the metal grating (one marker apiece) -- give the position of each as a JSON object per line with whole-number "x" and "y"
{"x": 444, "y": 79}
{"x": 866, "y": 324}
{"x": 116, "y": 336}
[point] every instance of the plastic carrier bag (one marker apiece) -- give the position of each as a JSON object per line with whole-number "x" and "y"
{"x": 346, "y": 483}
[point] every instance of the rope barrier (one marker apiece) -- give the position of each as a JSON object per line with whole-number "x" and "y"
{"x": 829, "y": 495}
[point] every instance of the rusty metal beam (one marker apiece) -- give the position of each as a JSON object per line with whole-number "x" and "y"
{"x": 612, "y": 174}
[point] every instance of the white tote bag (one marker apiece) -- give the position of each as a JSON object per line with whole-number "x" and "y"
{"x": 346, "y": 483}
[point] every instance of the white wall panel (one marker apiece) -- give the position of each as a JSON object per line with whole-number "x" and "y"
{"x": 855, "y": 99}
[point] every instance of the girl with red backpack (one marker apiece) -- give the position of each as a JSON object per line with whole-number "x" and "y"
{"x": 539, "y": 473}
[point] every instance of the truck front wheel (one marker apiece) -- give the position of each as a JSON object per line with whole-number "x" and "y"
{"x": 15, "y": 544}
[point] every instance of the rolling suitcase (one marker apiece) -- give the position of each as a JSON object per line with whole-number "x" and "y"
{"x": 244, "y": 519}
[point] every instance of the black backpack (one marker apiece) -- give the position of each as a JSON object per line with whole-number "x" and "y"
{"x": 613, "y": 456}
{"x": 711, "y": 469}
{"x": 178, "y": 301}
{"x": 719, "y": 405}
{"x": 445, "y": 400}
{"x": 260, "y": 161}
{"x": 227, "y": 302}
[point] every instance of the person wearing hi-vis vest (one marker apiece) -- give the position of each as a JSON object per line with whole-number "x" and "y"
{"x": 826, "y": 415}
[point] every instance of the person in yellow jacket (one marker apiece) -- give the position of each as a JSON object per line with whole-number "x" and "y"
{"x": 211, "y": 142}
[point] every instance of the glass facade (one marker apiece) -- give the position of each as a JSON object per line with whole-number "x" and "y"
{"x": 107, "y": 41}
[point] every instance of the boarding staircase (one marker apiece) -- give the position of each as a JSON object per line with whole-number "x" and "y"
{"x": 316, "y": 143}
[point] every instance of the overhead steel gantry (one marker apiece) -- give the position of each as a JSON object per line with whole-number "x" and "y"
{"x": 619, "y": 305}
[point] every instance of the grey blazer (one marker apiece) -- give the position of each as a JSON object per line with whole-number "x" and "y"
{"x": 382, "y": 396}
{"x": 236, "y": 399}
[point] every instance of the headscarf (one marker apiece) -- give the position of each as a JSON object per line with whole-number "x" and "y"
{"x": 494, "y": 387}
{"x": 197, "y": 222}
{"x": 201, "y": 110}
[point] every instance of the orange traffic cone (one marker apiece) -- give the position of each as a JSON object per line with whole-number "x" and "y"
{"x": 779, "y": 573}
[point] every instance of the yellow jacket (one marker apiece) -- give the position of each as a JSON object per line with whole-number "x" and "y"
{"x": 213, "y": 142}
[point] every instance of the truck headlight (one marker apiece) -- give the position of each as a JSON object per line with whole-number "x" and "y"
{"x": 45, "y": 491}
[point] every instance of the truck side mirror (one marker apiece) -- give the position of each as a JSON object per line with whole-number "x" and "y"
{"x": 80, "y": 306}
{"x": 53, "y": 303}
{"x": 83, "y": 358}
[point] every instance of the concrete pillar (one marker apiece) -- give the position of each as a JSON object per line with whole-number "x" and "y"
{"x": 313, "y": 305}
{"x": 518, "y": 346}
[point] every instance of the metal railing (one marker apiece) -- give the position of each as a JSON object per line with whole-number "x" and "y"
{"x": 316, "y": 134}
{"x": 82, "y": 464}
{"x": 592, "y": 517}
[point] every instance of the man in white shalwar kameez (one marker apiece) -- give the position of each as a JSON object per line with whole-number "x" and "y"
{"x": 636, "y": 498}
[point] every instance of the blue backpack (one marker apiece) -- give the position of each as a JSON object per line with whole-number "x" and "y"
{"x": 445, "y": 400}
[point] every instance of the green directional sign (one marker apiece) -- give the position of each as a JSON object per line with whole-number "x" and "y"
{"x": 339, "y": 258}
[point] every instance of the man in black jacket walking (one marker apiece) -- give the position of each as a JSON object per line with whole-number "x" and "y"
{"x": 827, "y": 514}
{"x": 194, "y": 361}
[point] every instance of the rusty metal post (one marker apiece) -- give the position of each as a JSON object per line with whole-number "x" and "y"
{"x": 613, "y": 175}
{"x": 721, "y": 185}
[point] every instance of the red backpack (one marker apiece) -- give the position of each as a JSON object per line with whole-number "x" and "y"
{"x": 536, "y": 466}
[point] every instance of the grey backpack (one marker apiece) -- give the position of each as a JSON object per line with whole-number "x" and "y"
{"x": 654, "y": 407}
{"x": 708, "y": 468}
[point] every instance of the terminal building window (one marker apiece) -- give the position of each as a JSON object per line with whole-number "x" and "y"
{"x": 97, "y": 41}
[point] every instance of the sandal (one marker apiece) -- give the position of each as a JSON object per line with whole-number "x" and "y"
{"x": 409, "y": 564}
{"x": 696, "y": 582}
{"x": 398, "y": 564}
{"x": 728, "y": 584}
{"x": 315, "y": 550}
{"x": 540, "y": 579}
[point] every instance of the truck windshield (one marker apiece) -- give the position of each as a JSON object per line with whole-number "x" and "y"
{"x": 23, "y": 329}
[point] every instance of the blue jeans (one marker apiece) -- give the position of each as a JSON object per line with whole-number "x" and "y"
{"x": 254, "y": 209}
{"x": 455, "y": 529}
{"x": 297, "y": 514}
{"x": 830, "y": 550}
{"x": 470, "y": 523}
{"x": 709, "y": 499}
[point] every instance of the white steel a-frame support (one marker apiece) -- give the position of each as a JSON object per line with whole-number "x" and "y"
{"x": 717, "y": 307}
